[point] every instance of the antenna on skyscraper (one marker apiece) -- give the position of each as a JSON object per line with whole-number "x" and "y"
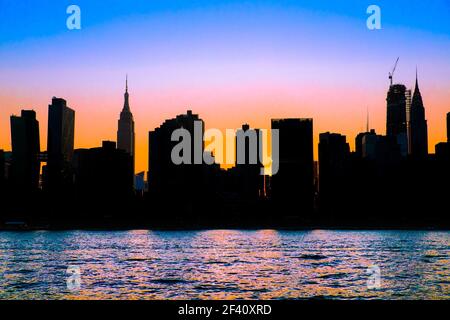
{"x": 367, "y": 123}
{"x": 391, "y": 74}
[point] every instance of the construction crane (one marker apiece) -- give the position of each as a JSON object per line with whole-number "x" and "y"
{"x": 391, "y": 74}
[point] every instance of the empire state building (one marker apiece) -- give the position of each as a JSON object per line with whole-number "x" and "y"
{"x": 125, "y": 132}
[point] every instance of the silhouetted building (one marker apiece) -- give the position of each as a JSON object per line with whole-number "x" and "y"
{"x": 25, "y": 151}
{"x": 125, "y": 131}
{"x": 251, "y": 181}
{"x": 334, "y": 153}
{"x": 293, "y": 185}
{"x": 396, "y": 116}
{"x": 448, "y": 127}
{"x": 8, "y": 164}
{"x": 442, "y": 150}
{"x": 60, "y": 145}
{"x": 408, "y": 96}
{"x": 387, "y": 150}
{"x": 182, "y": 185}
{"x": 161, "y": 165}
{"x": 2, "y": 170}
{"x": 316, "y": 184}
{"x": 418, "y": 134}
{"x": 372, "y": 186}
{"x": 365, "y": 144}
{"x": 3, "y": 187}
{"x": 358, "y": 144}
{"x": 103, "y": 177}
{"x": 139, "y": 183}
{"x": 371, "y": 146}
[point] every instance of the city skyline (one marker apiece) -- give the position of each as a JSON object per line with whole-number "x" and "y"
{"x": 129, "y": 123}
{"x": 100, "y": 179}
{"x": 289, "y": 62}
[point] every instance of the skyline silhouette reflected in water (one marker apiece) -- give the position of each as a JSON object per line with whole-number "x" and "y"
{"x": 225, "y": 264}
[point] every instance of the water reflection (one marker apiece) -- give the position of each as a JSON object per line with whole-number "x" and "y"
{"x": 224, "y": 264}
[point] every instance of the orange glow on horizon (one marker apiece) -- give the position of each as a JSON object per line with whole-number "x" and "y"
{"x": 97, "y": 114}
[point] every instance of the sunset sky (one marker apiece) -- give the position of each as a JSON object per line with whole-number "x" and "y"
{"x": 231, "y": 62}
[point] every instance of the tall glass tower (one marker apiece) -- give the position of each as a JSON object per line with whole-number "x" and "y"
{"x": 25, "y": 151}
{"x": 396, "y": 127}
{"x": 60, "y": 144}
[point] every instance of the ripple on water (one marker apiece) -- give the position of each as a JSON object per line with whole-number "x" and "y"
{"x": 311, "y": 257}
{"x": 25, "y": 271}
{"x": 169, "y": 280}
{"x": 217, "y": 287}
{"x": 140, "y": 259}
{"x": 338, "y": 275}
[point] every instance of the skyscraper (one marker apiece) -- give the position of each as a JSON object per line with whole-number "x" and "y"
{"x": 396, "y": 116}
{"x": 161, "y": 145}
{"x": 3, "y": 188}
{"x": 292, "y": 187}
{"x": 408, "y": 118}
{"x": 334, "y": 153}
{"x": 60, "y": 144}
{"x": 418, "y": 125}
{"x": 125, "y": 131}
{"x": 442, "y": 149}
{"x": 2, "y": 171}
{"x": 181, "y": 182}
{"x": 103, "y": 176}
{"x": 25, "y": 151}
{"x": 248, "y": 169}
{"x": 448, "y": 127}
{"x": 365, "y": 144}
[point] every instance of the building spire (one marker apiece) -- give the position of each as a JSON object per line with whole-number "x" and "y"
{"x": 126, "y": 105}
{"x": 367, "y": 120}
{"x": 417, "y": 82}
{"x": 418, "y": 124}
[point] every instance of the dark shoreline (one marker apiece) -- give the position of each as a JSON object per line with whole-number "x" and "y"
{"x": 149, "y": 227}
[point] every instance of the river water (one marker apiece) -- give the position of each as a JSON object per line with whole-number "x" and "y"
{"x": 225, "y": 264}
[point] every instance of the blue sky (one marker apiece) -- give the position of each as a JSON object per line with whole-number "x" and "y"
{"x": 20, "y": 20}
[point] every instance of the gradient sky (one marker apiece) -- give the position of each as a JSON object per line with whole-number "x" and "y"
{"x": 230, "y": 61}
